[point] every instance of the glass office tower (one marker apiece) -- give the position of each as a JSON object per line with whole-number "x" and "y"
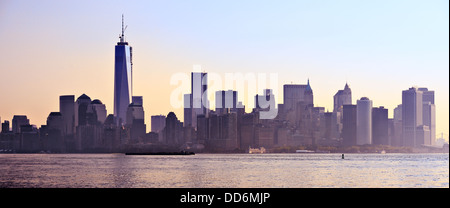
{"x": 122, "y": 79}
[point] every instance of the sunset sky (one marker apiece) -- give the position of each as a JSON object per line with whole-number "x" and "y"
{"x": 52, "y": 48}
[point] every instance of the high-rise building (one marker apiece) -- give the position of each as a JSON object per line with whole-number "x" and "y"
{"x": 429, "y": 119}
{"x": 349, "y": 125}
{"x": 412, "y": 115}
{"x": 188, "y": 115}
{"x": 55, "y": 121}
{"x": 396, "y": 137}
{"x": 122, "y": 78}
{"x": 158, "y": 123}
{"x": 363, "y": 121}
{"x": 67, "y": 109}
{"x": 135, "y": 119}
{"x": 54, "y": 140}
{"x": 96, "y": 112}
{"x": 173, "y": 131}
{"x": 295, "y": 93}
{"x": 135, "y": 111}
{"x": 196, "y": 103}
{"x": 342, "y": 97}
{"x": 222, "y": 134}
{"x": 423, "y": 135}
{"x": 199, "y": 85}
{"x": 81, "y": 107}
{"x": 18, "y": 121}
{"x": 265, "y": 101}
{"x": 225, "y": 101}
{"x": 157, "y": 126}
{"x": 428, "y": 95}
{"x": 429, "y": 112}
{"x": 380, "y": 124}
{"x": 5, "y": 127}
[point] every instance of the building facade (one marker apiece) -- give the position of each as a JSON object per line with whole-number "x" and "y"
{"x": 122, "y": 79}
{"x": 363, "y": 121}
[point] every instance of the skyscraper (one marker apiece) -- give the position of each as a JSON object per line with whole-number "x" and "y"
{"x": 225, "y": 101}
{"x": 411, "y": 115}
{"x": 122, "y": 78}
{"x": 81, "y": 109}
{"x": 349, "y": 125}
{"x": 196, "y": 103}
{"x": 342, "y": 97}
{"x": 5, "y": 127}
{"x": 396, "y": 137}
{"x": 294, "y": 93}
{"x": 18, "y": 121}
{"x": 67, "y": 109}
{"x": 54, "y": 140}
{"x": 135, "y": 119}
{"x": 380, "y": 133}
{"x": 429, "y": 112}
{"x": 158, "y": 123}
{"x": 96, "y": 112}
{"x": 363, "y": 121}
{"x": 199, "y": 85}
{"x": 265, "y": 101}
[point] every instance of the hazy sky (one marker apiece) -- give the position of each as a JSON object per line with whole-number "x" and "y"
{"x": 53, "y": 48}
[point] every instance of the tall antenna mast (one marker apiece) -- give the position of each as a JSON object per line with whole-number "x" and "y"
{"x": 122, "y": 37}
{"x": 122, "y": 28}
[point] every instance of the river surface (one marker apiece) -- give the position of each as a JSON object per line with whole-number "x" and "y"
{"x": 224, "y": 170}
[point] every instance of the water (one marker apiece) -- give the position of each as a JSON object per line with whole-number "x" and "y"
{"x": 224, "y": 170}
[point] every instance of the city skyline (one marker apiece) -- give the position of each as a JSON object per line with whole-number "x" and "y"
{"x": 36, "y": 98}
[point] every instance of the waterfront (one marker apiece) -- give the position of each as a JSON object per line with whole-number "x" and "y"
{"x": 224, "y": 170}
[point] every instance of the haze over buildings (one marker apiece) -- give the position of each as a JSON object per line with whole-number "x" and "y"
{"x": 163, "y": 52}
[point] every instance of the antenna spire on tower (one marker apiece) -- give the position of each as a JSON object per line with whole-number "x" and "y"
{"x": 122, "y": 36}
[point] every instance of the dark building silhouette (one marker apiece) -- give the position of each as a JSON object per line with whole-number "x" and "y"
{"x": 81, "y": 110}
{"x": 349, "y": 125}
{"x": 248, "y": 127}
{"x": 380, "y": 121}
{"x": 342, "y": 97}
{"x": 5, "y": 127}
{"x": 18, "y": 121}
{"x": 96, "y": 112}
{"x": 265, "y": 101}
{"x": 294, "y": 93}
{"x": 8, "y": 143}
{"x": 226, "y": 101}
{"x": 158, "y": 124}
{"x": 29, "y": 139}
{"x": 173, "y": 131}
{"x": 67, "y": 110}
{"x": 135, "y": 120}
{"x": 223, "y": 135}
{"x": 53, "y": 140}
{"x": 202, "y": 129}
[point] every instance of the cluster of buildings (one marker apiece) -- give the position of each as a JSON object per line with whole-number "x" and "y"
{"x": 83, "y": 125}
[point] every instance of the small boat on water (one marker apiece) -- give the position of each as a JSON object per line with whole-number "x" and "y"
{"x": 161, "y": 153}
{"x": 260, "y": 150}
{"x": 304, "y": 151}
{"x": 383, "y": 152}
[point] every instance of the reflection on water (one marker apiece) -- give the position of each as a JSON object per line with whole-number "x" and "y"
{"x": 224, "y": 170}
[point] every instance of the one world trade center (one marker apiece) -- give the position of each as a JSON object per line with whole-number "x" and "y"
{"x": 122, "y": 78}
